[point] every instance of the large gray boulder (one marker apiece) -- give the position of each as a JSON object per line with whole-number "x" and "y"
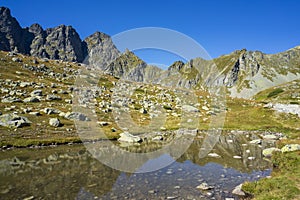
{"x": 54, "y": 122}
{"x": 76, "y": 116}
{"x": 13, "y": 121}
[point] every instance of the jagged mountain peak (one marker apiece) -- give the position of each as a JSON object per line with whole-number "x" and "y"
{"x": 99, "y": 35}
{"x": 61, "y": 42}
{"x": 36, "y": 28}
{"x": 4, "y": 11}
{"x": 177, "y": 66}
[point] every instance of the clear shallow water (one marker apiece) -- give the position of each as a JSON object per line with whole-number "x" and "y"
{"x": 70, "y": 172}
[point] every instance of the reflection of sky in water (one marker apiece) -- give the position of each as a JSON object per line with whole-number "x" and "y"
{"x": 156, "y": 163}
{"x": 181, "y": 179}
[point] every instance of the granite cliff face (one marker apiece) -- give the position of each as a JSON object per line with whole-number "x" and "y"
{"x": 62, "y": 42}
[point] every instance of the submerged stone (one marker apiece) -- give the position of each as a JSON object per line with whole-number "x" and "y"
{"x": 204, "y": 186}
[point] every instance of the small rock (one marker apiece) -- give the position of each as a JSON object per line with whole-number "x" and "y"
{"x": 102, "y": 123}
{"x": 251, "y": 158}
{"x": 238, "y": 190}
{"x": 204, "y": 186}
{"x": 270, "y": 137}
{"x": 36, "y": 93}
{"x": 15, "y": 59}
{"x": 213, "y": 155}
{"x": 54, "y": 122}
{"x": 127, "y": 137}
{"x": 24, "y": 84}
{"x": 171, "y": 197}
{"x": 257, "y": 141}
{"x": 50, "y": 111}
{"x": 151, "y": 191}
{"x": 143, "y": 111}
{"x": 163, "y": 128}
{"x": 34, "y": 113}
{"x": 76, "y": 116}
{"x": 268, "y": 152}
{"x": 11, "y": 100}
{"x": 290, "y": 147}
{"x": 62, "y": 91}
{"x": 68, "y": 101}
{"x": 188, "y": 108}
{"x": 237, "y": 157}
{"x": 29, "y": 198}
{"x": 205, "y": 108}
{"x": 52, "y": 97}
{"x": 31, "y": 100}
{"x": 62, "y": 114}
{"x": 157, "y": 138}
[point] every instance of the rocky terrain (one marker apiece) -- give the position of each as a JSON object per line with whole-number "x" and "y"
{"x": 244, "y": 73}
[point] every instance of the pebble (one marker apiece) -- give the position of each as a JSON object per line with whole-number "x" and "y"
{"x": 237, "y": 157}
{"x": 257, "y": 141}
{"x": 213, "y": 155}
{"x": 29, "y": 198}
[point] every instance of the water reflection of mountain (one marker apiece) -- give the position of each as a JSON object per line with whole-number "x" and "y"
{"x": 227, "y": 147}
{"x": 58, "y": 173}
{"x": 70, "y": 172}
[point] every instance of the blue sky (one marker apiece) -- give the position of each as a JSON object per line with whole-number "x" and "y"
{"x": 219, "y": 26}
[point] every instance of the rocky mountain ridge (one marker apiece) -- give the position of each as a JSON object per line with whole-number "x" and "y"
{"x": 244, "y": 73}
{"x": 59, "y": 43}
